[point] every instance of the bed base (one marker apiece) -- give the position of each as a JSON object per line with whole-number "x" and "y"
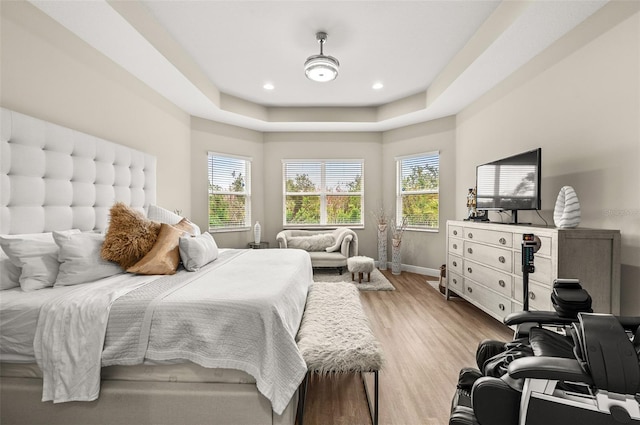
{"x": 127, "y": 402}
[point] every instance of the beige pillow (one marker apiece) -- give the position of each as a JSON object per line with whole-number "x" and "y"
{"x": 130, "y": 236}
{"x": 164, "y": 257}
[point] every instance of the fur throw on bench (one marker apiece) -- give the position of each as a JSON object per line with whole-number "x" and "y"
{"x": 317, "y": 241}
{"x": 312, "y": 243}
{"x": 335, "y": 336}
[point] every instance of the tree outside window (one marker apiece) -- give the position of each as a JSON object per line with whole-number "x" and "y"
{"x": 418, "y": 190}
{"x": 322, "y": 193}
{"x": 229, "y": 192}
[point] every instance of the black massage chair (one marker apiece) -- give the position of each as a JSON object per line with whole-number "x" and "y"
{"x": 562, "y": 368}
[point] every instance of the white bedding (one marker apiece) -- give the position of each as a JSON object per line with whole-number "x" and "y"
{"x": 252, "y": 312}
{"x": 70, "y": 336}
{"x": 19, "y": 312}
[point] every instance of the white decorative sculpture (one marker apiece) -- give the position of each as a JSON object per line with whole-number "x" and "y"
{"x": 257, "y": 232}
{"x": 567, "y": 210}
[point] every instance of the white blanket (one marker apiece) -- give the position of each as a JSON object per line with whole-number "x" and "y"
{"x": 69, "y": 338}
{"x": 241, "y": 313}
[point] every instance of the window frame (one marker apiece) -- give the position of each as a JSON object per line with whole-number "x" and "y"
{"x": 247, "y": 193}
{"x": 323, "y": 193}
{"x": 400, "y": 193}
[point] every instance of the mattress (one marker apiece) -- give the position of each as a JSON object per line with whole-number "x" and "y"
{"x": 148, "y": 372}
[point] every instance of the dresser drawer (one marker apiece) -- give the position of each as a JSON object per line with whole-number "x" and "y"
{"x": 494, "y": 237}
{"x": 455, "y": 231}
{"x": 492, "y": 302}
{"x": 492, "y": 256}
{"x": 455, "y": 246}
{"x": 543, "y": 273}
{"x": 455, "y": 282}
{"x": 454, "y": 264}
{"x": 498, "y": 281}
{"x": 539, "y": 295}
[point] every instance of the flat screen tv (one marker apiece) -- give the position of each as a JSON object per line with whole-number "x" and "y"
{"x": 511, "y": 183}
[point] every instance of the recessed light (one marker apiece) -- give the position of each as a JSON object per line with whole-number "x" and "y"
{"x": 269, "y": 86}
{"x": 377, "y": 86}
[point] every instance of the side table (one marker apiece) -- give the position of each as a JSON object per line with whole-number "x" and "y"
{"x": 259, "y": 245}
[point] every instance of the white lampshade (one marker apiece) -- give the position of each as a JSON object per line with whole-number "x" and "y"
{"x": 321, "y": 68}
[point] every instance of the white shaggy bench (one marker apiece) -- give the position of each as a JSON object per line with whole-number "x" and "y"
{"x": 335, "y": 337}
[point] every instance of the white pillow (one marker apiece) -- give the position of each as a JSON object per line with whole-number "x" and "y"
{"x": 197, "y": 251}
{"x": 163, "y": 215}
{"x": 9, "y": 274}
{"x": 312, "y": 243}
{"x": 36, "y": 254}
{"x": 80, "y": 260}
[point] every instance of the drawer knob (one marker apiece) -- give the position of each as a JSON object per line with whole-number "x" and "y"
{"x": 469, "y": 289}
{"x": 455, "y": 281}
{"x": 470, "y": 251}
{"x": 455, "y": 233}
{"x": 501, "y": 306}
{"x": 469, "y": 270}
{"x": 503, "y": 241}
{"x": 470, "y": 235}
{"x": 502, "y": 259}
{"x": 455, "y": 264}
{"x": 455, "y": 246}
{"x": 501, "y": 283}
{"x": 532, "y": 296}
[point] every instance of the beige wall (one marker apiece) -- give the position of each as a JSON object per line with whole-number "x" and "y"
{"x": 208, "y": 136}
{"x": 367, "y": 146}
{"x": 580, "y": 102}
{"x": 49, "y": 73}
{"x": 422, "y": 249}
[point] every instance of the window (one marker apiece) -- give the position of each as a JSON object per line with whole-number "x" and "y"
{"x": 418, "y": 190}
{"x": 322, "y": 193}
{"x": 229, "y": 192}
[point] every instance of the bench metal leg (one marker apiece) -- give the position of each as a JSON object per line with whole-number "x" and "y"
{"x": 373, "y": 410}
{"x": 302, "y": 397}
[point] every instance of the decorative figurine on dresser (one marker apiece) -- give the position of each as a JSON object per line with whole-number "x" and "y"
{"x": 471, "y": 203}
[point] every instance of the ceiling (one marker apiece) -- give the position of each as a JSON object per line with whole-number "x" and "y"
{"x": 212, "y": 58}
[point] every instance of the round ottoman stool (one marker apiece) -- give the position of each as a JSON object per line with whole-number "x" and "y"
{"x": 360, "y": 265}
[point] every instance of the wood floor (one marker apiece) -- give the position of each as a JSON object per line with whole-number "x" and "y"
{"x": 426, "y": 341}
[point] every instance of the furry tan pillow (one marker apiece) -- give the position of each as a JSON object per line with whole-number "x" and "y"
{"x": 164, "y": 257}
{"x": 186, "y": 226}
{"x": 130, "y": 236}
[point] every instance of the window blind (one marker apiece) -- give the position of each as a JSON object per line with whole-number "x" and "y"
{"x": 229, "y": 192}
{"x": 418, "y": 190}
{"x": 322, "y": 192}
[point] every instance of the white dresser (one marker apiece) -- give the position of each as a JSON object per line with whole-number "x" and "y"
{"x": 484, "y": 265}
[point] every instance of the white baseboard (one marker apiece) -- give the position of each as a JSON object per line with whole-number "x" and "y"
{"x": 419, "y": 270}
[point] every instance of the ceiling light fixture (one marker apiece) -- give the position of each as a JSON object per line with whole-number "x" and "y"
{"x": 321, "y": 68}
{"x": 377, "y": 86}
{"x": 268, "y": 86}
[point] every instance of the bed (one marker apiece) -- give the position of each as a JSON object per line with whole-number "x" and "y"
{"x": 213, "y": 346}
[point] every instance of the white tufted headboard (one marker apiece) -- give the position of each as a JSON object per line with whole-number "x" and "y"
{"x": 55, "y": 178}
